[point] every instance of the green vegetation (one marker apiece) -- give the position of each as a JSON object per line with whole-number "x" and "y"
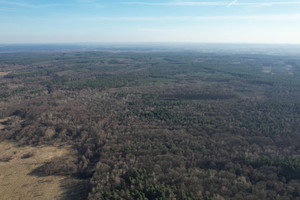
{"x": 182, "y": 125}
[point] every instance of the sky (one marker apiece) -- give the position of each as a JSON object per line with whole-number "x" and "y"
{"x": 133, "y": 21}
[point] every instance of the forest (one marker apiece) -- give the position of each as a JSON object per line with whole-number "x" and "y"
{"x": 158, "y": 125}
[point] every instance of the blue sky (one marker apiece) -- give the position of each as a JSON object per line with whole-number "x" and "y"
{"x": 217, "y": 21}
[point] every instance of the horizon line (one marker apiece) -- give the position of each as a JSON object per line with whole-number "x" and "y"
{"x": 146, "y": 42}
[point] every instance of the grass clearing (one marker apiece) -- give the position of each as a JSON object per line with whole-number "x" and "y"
{"x": 15, "y": 181}
{"x": 3, "y": 73}
{"x": 2, "y": 126}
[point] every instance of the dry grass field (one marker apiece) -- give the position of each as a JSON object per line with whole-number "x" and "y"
{"x": 3, "y": 121}
{"x": 3, "y": 73}
{"x": 16, "y": 163}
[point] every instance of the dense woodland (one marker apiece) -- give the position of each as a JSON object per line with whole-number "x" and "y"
{"x": 160, "y": 125}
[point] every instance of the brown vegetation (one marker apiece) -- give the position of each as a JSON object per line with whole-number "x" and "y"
{"x": 15, "y": 179}
{"x": 156, "y": 125}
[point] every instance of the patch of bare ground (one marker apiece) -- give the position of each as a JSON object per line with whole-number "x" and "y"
{"x": 2, "y": 121}
{"x": 3, "y": 73}
{"x": 16, "y": 180}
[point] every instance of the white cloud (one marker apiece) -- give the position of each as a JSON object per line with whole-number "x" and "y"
{"x": 232, "y": 3}
{"x": 269, "y": 3}
{"x": 184, "y": 3}
{"x": 289, "y": 17}
{"x": 215, "y": 3}
{"x": 86, "y": 1}
{"x": 156, "y": 30}
{"x": 25, "y": 5}
{"x": 39, "y": 6}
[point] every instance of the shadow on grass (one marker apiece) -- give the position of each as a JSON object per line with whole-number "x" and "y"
{"x": 73, "y": 188}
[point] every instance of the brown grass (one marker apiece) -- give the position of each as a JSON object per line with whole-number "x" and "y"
{"x": 3, "y": 73}
{"x": 2, "y": 121}
{"x": 15, "y": 181}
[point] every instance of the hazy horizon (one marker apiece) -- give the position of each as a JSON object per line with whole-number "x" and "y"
{"x": 126, "y": 21}
{"x": 215, "y": 48}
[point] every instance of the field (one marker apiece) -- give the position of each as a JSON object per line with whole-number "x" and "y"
{"x": 3, "y": 73}
{"x": 150, "y": 125}
{"x": 2, "y": 122}
{"x": 15, "y": 179}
